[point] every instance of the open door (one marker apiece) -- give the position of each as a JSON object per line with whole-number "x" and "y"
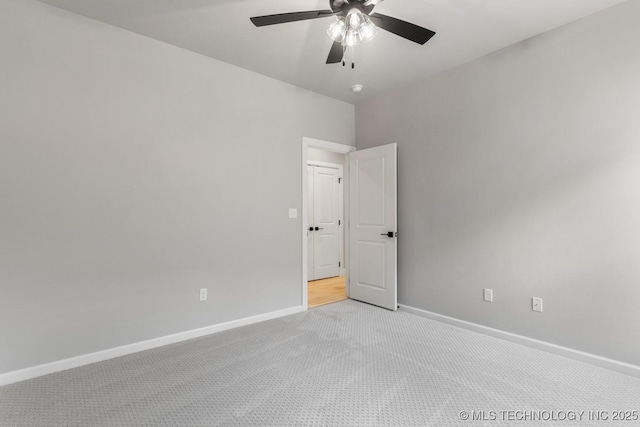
{"x": 373, "y": 226}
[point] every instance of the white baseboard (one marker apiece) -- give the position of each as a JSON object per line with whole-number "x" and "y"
{"x": 99, "y": 356}
{"x": 592, "y": 359}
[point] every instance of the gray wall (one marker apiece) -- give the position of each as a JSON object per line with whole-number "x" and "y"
{"x": 133, "y": 173}
{"x": 520, "y": 172}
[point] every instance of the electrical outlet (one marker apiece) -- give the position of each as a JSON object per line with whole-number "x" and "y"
{"x": 488, "y": 295}
{"x": 293, "y": 213}
{"x": 203, "y": 294}
{"x": 536, "y": 304}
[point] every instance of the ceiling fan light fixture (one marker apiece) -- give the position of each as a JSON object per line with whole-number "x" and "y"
{"x": 352, "y": 38}
{"x": 352, "y": 25}
{"x": 355, "y": 18}
{"x": 337, "y": 30}
{"x": 352, "y": 29}
{"x": 368, "y": 30}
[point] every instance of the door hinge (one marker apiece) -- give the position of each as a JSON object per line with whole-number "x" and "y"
{"x": 339, "y": 264}
{"x": 339, "y": 222}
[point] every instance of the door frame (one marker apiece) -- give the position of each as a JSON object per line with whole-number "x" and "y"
{"x": 335, "y": 148}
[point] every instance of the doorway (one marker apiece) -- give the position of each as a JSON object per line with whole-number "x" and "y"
{"x": 334, "y": 288}
{"x": 325, "y": 234}
{"x": 371, "y": 247}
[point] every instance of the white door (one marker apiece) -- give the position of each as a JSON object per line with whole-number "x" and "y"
{"x": 324, "y": 226}
{"x": 373, "y": 226}
{"x": 310, "y": 234}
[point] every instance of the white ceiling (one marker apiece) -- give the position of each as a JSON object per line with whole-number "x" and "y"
{"x": 296, "y": 52}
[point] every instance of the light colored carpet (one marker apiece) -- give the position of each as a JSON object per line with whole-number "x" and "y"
{"x": 344, "y": 364}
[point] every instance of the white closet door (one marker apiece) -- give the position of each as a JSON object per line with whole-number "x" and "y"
{"x": 324, "y": 222}
{"x": 310, "y": 232}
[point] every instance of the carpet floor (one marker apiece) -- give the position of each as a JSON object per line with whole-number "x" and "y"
{"x": 343, "y": 364}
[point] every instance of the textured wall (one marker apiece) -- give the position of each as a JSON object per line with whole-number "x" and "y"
{"x": 520, "y": 172}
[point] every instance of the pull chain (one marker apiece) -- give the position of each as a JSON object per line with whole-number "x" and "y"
{"x": 353, "y": 55}
{"x": 344, "y": 54}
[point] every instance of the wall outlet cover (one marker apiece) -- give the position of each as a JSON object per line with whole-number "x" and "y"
{"x": 536, "y": 304}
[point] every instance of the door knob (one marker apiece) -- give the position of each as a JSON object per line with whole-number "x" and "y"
{"x": 318, "y": 228}
{"x": 389, "y": 234}
{"x": 310, "y": 228}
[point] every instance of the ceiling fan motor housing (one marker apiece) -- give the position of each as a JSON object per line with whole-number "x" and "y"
{"x": 342, "y": 7}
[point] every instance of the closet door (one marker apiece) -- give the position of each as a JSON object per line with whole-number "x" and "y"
{"x": 310, "y": 232}
{"x": 324, "y": 226}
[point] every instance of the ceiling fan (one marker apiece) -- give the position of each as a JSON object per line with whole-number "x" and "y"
{"x": 355, "y": 22}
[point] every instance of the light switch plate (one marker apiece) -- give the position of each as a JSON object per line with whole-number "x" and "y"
{"x": 293, "y": 213}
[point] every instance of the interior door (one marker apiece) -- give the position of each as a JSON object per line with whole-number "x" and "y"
{"x": 373, "y": 226}
{"x": 310, "y": 232}
{"x": 326, "y": 228}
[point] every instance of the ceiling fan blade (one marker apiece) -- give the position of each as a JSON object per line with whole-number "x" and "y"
{"x": 281, "y": 18}
{"x": 336, "y": 53}
{"x": 372, "y": 2}
{"x": 401, "y": 28}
